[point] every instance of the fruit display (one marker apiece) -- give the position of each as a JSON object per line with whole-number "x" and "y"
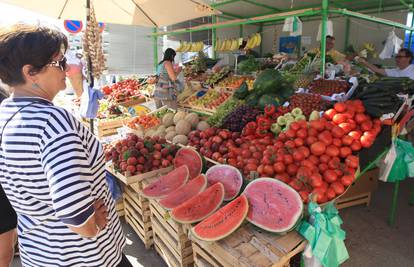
{"x": 123, "y": 91}
{"x": 210, "y": 100}
{"x": 328, "y": 87}
{"x": 184, "y": 192}
{"x": 229, "y": 176}
{"x": 228, "y": 45}
{"x": 200, "y": 206}
{"x": 108, "y": 111}
{"x": 166, "y": 184}
{"x": 253, "y": 41}
{"x": 190, "y": 158}
{"x": 190, "y": 47}
{"x": 233, "y": 82}
{"x": 135, "y": 155}
{"x": 308, "y": 103}
{"x": 223, "y": 110}
{"x": 285, "y": 210}
{"x": 143, "y": 123}
{"x": 222, "y": 222}
{"x": 283, "y": 121}
{"x": 238, "y": 118}
{"x": 250, "y": 65}
{"x": 218, "y": 76}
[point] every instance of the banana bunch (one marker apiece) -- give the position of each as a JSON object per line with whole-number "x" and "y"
{"x": 228, "y": 45}
{"x": 368, "y": 49}
{"x": 190, "y": 47}
{"x": 254, "y": 41}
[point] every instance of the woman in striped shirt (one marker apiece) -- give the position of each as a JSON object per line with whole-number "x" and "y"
{"x": 51, "y": 167}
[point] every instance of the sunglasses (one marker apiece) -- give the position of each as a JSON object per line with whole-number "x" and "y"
{"x": 59, "y": 63}
{"x": 400, "y": 56}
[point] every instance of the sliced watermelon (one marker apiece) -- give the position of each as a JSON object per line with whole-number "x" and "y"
{"x": 185, "y": 192}
{"x": 222, "y": 222}
{"x": 229, "y": 176}
{"x": 274, "y": 206}
{"x": 191, "y": 158}
{"x": 167, "y": 183}
{"x": 200, "y": 206}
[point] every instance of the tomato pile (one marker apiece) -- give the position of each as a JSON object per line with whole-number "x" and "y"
{"x": 134, "y": 155}
{"x": 328, "y": 87}
{"x": 308, "y": 103}
{"x": 146, "y": 121}
{"x": 122, "y": 91}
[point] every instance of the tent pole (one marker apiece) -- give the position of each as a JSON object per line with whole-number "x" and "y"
{"x": 261, "y": 43}
{"x": 214, "y": 37}
{"x": 89, "y": 60}
{"x": 410, "y": 40}
{"x": 347, "y": 30}
{"x": 323, "y": 35}
{"x": 155, "y": 49}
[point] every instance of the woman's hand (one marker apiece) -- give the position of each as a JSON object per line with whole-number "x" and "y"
{"x": 101, "y": 214}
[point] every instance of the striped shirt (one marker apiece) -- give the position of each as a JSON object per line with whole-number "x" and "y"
{"x": 52, "y": 170}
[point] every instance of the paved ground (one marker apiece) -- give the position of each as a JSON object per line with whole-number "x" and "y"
{"x": 370, "y": 241}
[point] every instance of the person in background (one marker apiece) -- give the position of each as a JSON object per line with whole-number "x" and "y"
{"x": 75, "y": 72}
{"x": 52, "y": 168}
{"x": 403, "y": 61}
{"x": 8, "y": 222}
{"x": 165, "y": 93}
{"x": 337, "y": 56}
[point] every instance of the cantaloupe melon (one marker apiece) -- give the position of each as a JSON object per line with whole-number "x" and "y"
{"x": 168, "y": 119}
{"x": 183, "y": 127}
{"x": 180, "y": 139}
{"x": 192, "y": 118}
{"x": 180, "y": 115}
{"x": 202, "y": 126}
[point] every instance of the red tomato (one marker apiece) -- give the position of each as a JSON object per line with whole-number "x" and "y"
{"x": 246, "y": 154}
{"x": 339, "y": 118}
{"x": 325, "y": 137}
{"x": 338, "y": 188}
{"x": 355, "y": 134}
{"x": 251, "y": 167}
{"x": 330, "y": 176}
{"x": 302, "y": 133}
{"x": 260, "y": 170}
{"x": 347, "y": 180}
{"x": 290, "y": 134}
{"x": 360, "y": 118}
{"x": 316, "y": 180}
{"x": 296, "y": 184}
{"x": 319, "y": 195}
{"x": 332, "y": 151}
{"x": 352, "y": 161}
{"x": 314, "y": 159}
{"x": 329, "y": 114}
{"x": 366, "y": 141}
{"x": 266, "y": 160}
{"x": 298, "y": 156}
{"x": 337, "y": 142}
{"x": 330, "y": 193}
{"x": 312, "y": 132}
{"x": 347, "y": 140}
{"x": 305, "y": 151}
{"x": 279, "y": 167}
{"x": 340, "y": 107}
{"x": 284, "y": 177}
{"x": 294, "y": 126}
{"x": 317, "y": 125}
{"x": 288, "y": 159}
{"x": 292, "y": 169}
{"x": 329, "y": 126}
{"x": 346, "y": 127}
{"x": 366, "y": 125}
{"x": 304, "y": 173}
{"x": 310, "y": 140}
{"x": 324, "y": 158}
{"x": 290, "y": 144}
{"x": 356, "y": 145}
{"x": 323, "y": 167}
{"x": 268, "y": 170}
{"x": 337, "y": 132}
{"x": 345, "y": 151}
{"x": 318, "y": 148}
{"x": 305, "y": 196}
{"x": 299, "y": 142}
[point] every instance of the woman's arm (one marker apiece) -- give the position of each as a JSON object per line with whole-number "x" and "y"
{"x": 372, "y": 67}
{"x": 170, "y": 70}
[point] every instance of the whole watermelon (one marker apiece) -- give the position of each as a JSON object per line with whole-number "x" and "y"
{"x": 267, "y": 82}
{"x": 242, "y": 92}
{"x": 269, "y": 100}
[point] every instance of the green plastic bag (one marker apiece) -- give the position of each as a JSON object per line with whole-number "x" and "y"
{"x": 403, "y": 165}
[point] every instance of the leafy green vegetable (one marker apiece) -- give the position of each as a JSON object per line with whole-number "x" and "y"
{"x": 222, "y": 111}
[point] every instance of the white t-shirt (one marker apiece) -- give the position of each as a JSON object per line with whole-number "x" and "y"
{"x": 407, "y": 72}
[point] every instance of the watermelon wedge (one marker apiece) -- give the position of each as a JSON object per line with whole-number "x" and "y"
{"x": 229, "y": 176}
{"x": 222, "y": 222}
{"x": 185, "y": 192}
{"x": 167, "y": 183}
{"x": 200, "y": 206}
{"x": 191, "y": 158}
{"x": 274, "y": 206}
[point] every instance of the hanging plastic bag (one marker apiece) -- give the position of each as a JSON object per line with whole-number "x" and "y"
{"x": 329, "y": 30}
{"x": 89, "y": 103}
{"x": 399, "y": 162}
{"x": 391, "y": 47}
{"x": 293, "y": 25}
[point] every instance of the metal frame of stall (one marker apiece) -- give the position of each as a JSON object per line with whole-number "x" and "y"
{"x": 323, "y": 11}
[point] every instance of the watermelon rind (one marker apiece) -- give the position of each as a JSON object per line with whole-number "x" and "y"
{"x": 194, "y": 170}
{"x": 166, "y": 184}
{"x": 225, "y": 180}
{"x": 185, "y": 192}
{"x": 205, "y": 199}
{"x": 219, "y": 217}
{"x": 295, "y": 218}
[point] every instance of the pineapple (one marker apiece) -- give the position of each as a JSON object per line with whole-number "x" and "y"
{"x": 307, "y": 75}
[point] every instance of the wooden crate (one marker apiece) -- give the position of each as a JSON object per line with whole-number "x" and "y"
{"x": 248, "y": 247}
{"x": 137, "y": 213}
{"x": 133, "y": 102}
{"x": 105, "y": 128}
{"x": 128, "y": 180}
{"x": 360, "y": 191}
{"x": 170, "y": 238}
{"x": 120, "y": 208}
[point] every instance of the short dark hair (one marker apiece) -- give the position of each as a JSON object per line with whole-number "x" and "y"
{"x": 27, "y": 45}
{"x": 330, "y": 37}
{"x": 407, "y": 53}
{"x": 169, "y": 55}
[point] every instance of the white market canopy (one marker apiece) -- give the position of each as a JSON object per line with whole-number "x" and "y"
{"x": 151, "y": 13}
